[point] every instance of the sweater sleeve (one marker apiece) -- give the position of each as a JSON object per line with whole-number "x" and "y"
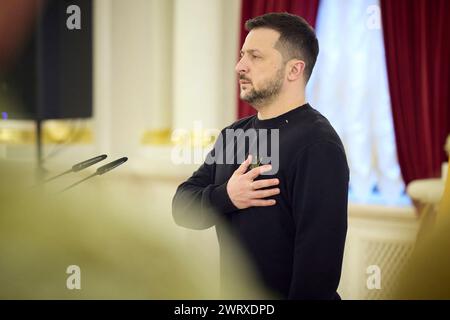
{"x": 319, "y": 203}
{"x": 198, "y": 202}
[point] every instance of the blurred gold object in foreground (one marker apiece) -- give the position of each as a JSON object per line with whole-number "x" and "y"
{"x": 121, "y": 251}
{"x": 427, "y": 274}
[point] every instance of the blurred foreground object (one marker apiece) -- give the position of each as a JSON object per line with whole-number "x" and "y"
{"x": 17, "y": 19}
{"x": 427, "y": 274}
{"x": 431, "y": 197}
{"x": 122, "y": 253}
{"x": 444, "y": 206}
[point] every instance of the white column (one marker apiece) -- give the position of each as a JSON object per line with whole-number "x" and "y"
{"x": 131, "y": 75}
{"x": 231, "y": 19}
{"x": 102, "y": 75}
{"x": 159, "y": 114}
{"x": 197, "y": 57}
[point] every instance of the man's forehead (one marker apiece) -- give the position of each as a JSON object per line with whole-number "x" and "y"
{"x": 261, "y": 39}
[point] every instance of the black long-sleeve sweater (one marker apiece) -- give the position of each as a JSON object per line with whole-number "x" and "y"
{"x": 296, "y": 245}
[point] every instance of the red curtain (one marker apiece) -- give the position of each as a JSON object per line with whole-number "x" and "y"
{"x": 253, "y": 8}
{"x": 417, "y": 44}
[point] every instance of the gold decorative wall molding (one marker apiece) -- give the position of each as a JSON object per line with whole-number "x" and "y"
{"x": 53, "y": 132}
{"x": 169, "y": 137}
{"x": 157, "y": 137}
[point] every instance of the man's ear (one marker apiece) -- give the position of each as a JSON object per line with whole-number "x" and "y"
{"x": 296, "y": 69}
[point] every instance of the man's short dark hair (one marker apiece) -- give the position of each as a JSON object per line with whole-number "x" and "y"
{"x": 297, "y": 38}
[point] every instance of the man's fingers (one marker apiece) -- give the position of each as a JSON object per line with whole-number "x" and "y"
{"x": 262, "y": 203}
{"x": 258, "y": 184}
{"x": 244, "y": 165}
{"x": 265, "y": 193}
{"x": 259, "y": 170}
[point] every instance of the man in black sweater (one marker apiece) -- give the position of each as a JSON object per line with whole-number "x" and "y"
{"x": 288, "y": 209}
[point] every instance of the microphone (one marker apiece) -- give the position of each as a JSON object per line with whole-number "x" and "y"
{"x": 109, "y": 166}
{"x": 79, "y": 166}
{"x": 101, "y": 170}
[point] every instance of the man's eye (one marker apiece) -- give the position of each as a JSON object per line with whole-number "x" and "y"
{"x": 255, "y": 57}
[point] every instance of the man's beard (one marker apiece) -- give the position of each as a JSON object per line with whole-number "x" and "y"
{"x": 270, "y": 90}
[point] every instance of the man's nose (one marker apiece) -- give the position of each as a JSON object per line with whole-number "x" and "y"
{"x": 241, "y": 67}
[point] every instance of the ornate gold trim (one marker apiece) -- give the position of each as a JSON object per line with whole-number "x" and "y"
{"x": 157, "y": 137}
{"x": 168, "y": 137}
{"x": 53, "y": 132}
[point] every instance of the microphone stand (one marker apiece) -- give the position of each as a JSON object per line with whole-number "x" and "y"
{"x": 78, "y": 182}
